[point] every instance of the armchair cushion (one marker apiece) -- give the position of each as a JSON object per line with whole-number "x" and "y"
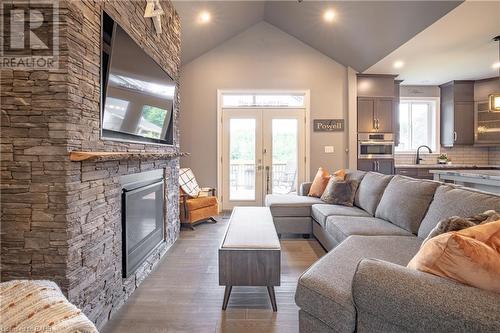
{"x": 201, "y": 202}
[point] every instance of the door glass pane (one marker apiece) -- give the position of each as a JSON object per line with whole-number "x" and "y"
{"x": 242, "y": 159}
{"x": 284, "y": 163}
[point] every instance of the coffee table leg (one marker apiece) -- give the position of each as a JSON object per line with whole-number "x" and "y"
{"x": 227, "y": 293}
{"x": 272, "y": 296}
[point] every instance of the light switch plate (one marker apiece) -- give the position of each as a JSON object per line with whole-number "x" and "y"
{"x": 329, "y": 149}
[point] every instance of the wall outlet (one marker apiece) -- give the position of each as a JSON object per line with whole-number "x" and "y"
{"x": 329, "y": 149}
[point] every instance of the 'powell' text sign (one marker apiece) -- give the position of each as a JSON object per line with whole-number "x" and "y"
{"x": 328, "y": 125}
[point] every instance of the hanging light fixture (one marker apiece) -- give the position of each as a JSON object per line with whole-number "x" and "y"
{"x": 494, "y": 99}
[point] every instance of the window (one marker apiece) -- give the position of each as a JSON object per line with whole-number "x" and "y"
{"x": 417, "y": 125}
{"x": 269, "y": 100}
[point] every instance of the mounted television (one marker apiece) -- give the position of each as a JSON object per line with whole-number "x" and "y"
{"x": 137, "y": 94}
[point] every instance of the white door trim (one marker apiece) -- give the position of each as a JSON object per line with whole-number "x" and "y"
{"x": 307, "y": 127}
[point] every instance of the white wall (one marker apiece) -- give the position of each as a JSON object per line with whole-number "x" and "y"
{"x": 262, "y": 57}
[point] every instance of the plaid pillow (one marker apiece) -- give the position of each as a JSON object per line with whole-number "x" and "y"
{"x": 188, "y": 183}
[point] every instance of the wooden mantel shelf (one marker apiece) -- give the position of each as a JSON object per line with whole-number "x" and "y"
{"x": 77, "y": 156}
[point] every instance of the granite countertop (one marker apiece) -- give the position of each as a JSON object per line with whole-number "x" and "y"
{"x": 447, "y": 166}
{"x": 482, "y": 174}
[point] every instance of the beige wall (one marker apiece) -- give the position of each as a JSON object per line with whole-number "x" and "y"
{"x": 262, "y": 57}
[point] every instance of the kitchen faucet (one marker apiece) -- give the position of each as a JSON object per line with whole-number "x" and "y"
{"x": 418, "y": 153}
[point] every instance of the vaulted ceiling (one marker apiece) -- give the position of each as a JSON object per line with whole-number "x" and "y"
{"x": 361, "y": 34}
{"x": 459, "y": 46}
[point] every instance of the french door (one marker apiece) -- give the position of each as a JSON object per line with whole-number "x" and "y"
{"x": 263, "y": 152}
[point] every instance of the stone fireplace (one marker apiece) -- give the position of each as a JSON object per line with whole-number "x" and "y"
{"x": 61, "y": 219}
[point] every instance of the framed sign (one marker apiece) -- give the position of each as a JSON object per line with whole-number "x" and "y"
{"x": 328, "y": 125}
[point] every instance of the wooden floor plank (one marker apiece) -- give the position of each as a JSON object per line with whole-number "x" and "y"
{"x": 183, "y": 293}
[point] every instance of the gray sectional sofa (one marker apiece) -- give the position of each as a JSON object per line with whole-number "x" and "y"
{"x": 362, "y": 283}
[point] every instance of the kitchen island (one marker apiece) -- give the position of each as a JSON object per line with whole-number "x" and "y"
{"x": 484, "y": 180}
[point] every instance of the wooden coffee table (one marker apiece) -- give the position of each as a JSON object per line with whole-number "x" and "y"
{"x": 250, "y": 252}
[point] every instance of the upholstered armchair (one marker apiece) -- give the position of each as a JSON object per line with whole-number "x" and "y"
{"x": 197, "y": 204}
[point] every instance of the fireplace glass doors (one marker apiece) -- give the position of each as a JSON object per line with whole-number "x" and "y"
{"x": 142, "y": 218}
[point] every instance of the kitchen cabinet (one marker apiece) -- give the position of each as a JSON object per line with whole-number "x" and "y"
{"x": 457, "y": 113}
{"x": 375, "y": 114}
{"x": 385, "y": 166}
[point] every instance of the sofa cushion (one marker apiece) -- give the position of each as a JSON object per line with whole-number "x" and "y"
{"x": 321, "y": 211}
{"x": 405, "y": 201}
{"x": 340, "y": 192}
{"x": 341, "y": 227}
{"x": 355, "y": 174}
{"x": 370, "y": 191}
{"x": 324, "y": 290}
{"x": 319, "y": 183}
{"x": 452, "y": 201}
{"x": 290, "y": 204}
{"x": 470, "y": 256}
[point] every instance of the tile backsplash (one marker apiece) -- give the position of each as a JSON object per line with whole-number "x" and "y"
{"x": 457, "y": 155}
{"x": 494, "y": 155}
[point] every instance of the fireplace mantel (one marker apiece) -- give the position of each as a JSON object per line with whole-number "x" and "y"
{"x": 77, "y": 156}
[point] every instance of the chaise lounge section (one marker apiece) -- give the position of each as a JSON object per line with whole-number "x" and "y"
{"x": 363, "y": 283}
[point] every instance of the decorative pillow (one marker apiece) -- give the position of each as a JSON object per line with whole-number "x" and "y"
{"x": 456, "y": 223}
{"x": 470, "y": 256}
{"x": 340, "y": 192}
{"x": 321, "y": 180}
{"x": 188, "y": 183}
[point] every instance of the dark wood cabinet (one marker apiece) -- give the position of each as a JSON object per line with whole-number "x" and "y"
{"x": 457, "y": 113}
{"x": 375, "y": 114}
{"x": 385, "y": 166}
{"x": 366, "y": 109}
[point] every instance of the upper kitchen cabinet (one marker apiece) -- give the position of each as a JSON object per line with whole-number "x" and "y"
{"x": 376, "y": 103}
{"x": 375, "y": 114}
{"x": 486, "y": 121}
{"x": 457, "y": 113}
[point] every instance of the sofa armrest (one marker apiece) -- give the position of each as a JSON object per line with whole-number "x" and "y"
{"x": 304, "y": 188}
{"x": 392, "y": 296}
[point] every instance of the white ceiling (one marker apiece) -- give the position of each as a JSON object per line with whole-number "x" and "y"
{"x": 459, "y": 46}
{"x": 362, "y": 34}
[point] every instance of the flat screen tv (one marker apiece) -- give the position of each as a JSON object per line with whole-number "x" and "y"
{"x": 137, "y": 94}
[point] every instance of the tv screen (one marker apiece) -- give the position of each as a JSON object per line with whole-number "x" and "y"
{"x": 138, "y": 95}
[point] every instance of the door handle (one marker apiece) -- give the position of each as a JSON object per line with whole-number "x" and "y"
{"x": 374, "y": 123}
{"x": 377, "y": 121}
{"x": 267, "y": 179}
{"x": 455, "y": 136}
{"x": 378, "y": 166}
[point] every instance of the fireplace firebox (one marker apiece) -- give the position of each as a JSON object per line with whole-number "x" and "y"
{"x": 143, "y": 216}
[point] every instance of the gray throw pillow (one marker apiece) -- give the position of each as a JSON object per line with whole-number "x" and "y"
{"x": 456, "y": 223}
{"x": 340, "y": 192}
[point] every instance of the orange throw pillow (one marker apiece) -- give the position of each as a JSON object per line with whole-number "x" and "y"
{"x": 321, "y": 180}
{"x": 470, "y": 256}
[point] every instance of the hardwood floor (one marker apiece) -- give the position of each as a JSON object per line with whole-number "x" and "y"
{"x": 183, "y": 293}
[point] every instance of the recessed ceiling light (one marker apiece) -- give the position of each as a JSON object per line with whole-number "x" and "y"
{"x": 398, "y": 64}
{"x": 496, "y": 65}
{"x": 329, "y": 15}
{"x": 204, "y": 17}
